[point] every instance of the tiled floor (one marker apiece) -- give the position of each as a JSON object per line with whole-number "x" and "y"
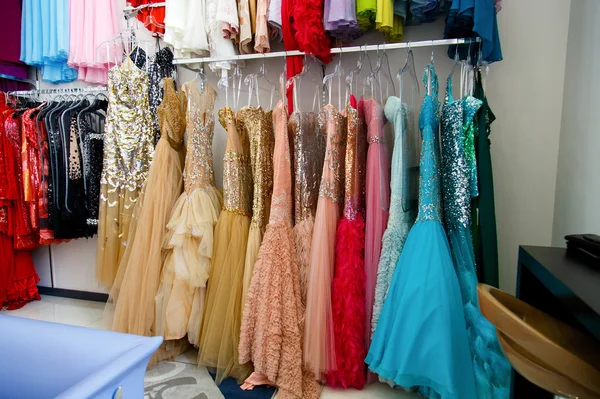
{"x": 90, "y": 314}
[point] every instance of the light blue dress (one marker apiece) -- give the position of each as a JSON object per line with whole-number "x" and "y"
{"x": 45, "y": 39}
{"x": 491, "y": 368}
{"x": 401, "y": 219}
{"x": 421, "y": 338}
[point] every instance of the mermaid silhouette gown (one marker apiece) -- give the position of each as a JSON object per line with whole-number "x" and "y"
{"x": 491, "y": 368}
{"x": 421, "y": 338}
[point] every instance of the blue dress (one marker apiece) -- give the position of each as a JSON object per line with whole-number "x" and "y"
{"x": 492, "y": 370}
{"x": 421, "y": 338}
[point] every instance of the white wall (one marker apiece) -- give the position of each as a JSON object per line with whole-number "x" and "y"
{"x": 578, "y": 178}
{"x": 524, "y": 91}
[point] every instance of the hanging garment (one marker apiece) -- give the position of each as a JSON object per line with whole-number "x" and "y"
{"x": 348, "y": 287}
{"x": 220, "y": 333}
{"x": 388, "y": 22}
{"x": 492, "y": 370}
{"x": 401, "y": 218}
{"x": 309, "y": 155}
{"x": 261, "y": 38}
{"x": 161, "y": 66}
{"x": 258, "y": 126}
{"x": 340, "y": 19}
{"x": 10, "y": 46}
{"x": 365, "y": 13}
{"x": 189, "y": 238}
{"x": 272, "y": 323}
{"x": 309, "y": 30}
{"x": 244, "y": 36}
{"x": 424, "y": 11}
{"x": 377, "y": 202}
{"x": 152, "y": 17}
{"x": 275, "y": 20}
{"x": 228, "y": 18}
{"x": 185, "y": 27}
{"x": 421, "y": 339}
{"x": 138, "y": 277}
{"x": 218, "y": 45}
{"x": 45, "y": 187}
{"x": 128, "y": 153}
{"x": 319, "y": 343}
{"x": 484, "y": 211}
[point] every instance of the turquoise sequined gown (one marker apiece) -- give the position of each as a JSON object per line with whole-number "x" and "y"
{"x": 492, "y": 371}
{"x": 421, "y": 338}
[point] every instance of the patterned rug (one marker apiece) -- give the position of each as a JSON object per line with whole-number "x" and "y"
{"x": 176, "y": 380}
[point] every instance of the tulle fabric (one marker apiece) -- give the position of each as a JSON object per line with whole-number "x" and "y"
{"x": 139, "y": 272}
{"x": 220, "y": 333}
{"x": 310, "y": 32}
{"x": 348, "y": 304}
{"x": 303, "y": 233}
{"x": 255, "y": 237}
{"x": 421, "y": 339}
{"x": 189, "y": 245}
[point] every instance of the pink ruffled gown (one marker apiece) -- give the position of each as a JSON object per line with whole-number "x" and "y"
{"x": 378, "y": 201}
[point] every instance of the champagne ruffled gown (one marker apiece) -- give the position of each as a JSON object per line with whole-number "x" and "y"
{"x": 220, "y": 332}
{"x": 259, "y": 128}
{"x": 272, "y": 324}
{"x": 139, "y": 272}
{"x": 319, "y": 344}
{"x": 188, "y": 244}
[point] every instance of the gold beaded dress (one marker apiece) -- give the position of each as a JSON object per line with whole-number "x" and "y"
{"x": 139, "y": 273}
{"x": 128, "y": 153}
{"x": 189, "y": 240}
{"x": 259, "y": 128}
{"x": 221, "y": 323}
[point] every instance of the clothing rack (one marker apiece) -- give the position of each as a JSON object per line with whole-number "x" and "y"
{"x": 74, "y": 90}
{"x": 335, "y": 50}
{"x": 149, "y": 5}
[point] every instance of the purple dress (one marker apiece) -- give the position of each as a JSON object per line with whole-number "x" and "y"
{"x": 339, "y": 18}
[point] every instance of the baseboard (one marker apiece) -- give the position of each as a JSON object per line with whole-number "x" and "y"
{"x": 62, "y": 292}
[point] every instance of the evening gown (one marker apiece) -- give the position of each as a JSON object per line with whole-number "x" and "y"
{"x": 421, "y": 339}
{"x": 401, "y": 219}
{"x": 128, "y": 153}
{"x": 319, "y": 344}
{"x": 139, "y": 273}
{"x": 271, "y": 335}
{"x": 377, "y": 201}
{"x": 492, "y": 370}
{"x": 309, "y": 155}
{"x": 259, "y": 128}
{"x": 348, "y": 288}
{"x": 221, "y": 323}
{"x": 188, "y": 242}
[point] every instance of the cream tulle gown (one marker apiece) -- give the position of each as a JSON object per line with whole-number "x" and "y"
{"x": 220, "y": 332}
{"x": 189, "y": 241}
{"x": 139, "y": 271}
{"x": 259, "y": 127}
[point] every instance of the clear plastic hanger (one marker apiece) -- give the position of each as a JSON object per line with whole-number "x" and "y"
{"x": 253, "y": 79}
{"x": 202, "y": 78}
{"x": 296, "y": 79}
{"x": 337, "y": 73}
{"x": 223, "y": 84}
{"x": 409, "y": 65}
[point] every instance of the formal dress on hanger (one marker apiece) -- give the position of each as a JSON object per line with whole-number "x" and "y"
{"x": 377, "y": 201}
{"x": 160, "y": 67}
{"x": 220, "y": 333}
{"x": 258, "y": 125}
{"x": 272, "y": 323}
{"x": 189, "y": 238}
{"x": 218, "y": 45}
{"x": 492, "y": 370}
{"x": 401, "y": 218}
{"x": 309, "y": 30}
{"x": 348, "y": 288}
{"x": 185, "y": 27}
{"x": 244, "y": 36}
{"x": 421, "y": 339}
{"x": 319, "y": 342}
{"x": 262, "y": 37}
{"x": 309, "y": 154}
{"x": 339, "y": 17}
{"x": 137, "y": 280}
{"x": 128, "y": 152}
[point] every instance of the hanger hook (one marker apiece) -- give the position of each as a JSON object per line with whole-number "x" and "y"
{"x": 432, "y": 51}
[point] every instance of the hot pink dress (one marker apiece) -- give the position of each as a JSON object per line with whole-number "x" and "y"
{"x": 378, "y": 201}
{"x": 348, "y": 297}
{"x": 319, "y": 345}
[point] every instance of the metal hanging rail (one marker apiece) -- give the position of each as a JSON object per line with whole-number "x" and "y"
{"x": 73, "y": 90}
{"x": 149, "y": 5}
{"x": 335, "y": 50}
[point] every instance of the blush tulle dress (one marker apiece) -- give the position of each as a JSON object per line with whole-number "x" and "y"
{"x": 348, "y": 288}
{"x": 319, "y": 343}
{"x": 492, "y": 370}
{"x": 421, "y": 339}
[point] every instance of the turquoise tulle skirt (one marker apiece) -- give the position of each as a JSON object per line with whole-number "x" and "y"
{"x": 421, "y": 339}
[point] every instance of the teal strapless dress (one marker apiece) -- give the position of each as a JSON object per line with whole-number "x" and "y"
{"x": 421, "y": 338}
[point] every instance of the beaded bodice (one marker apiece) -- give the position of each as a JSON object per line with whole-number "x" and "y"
{"x": 171, "y": 115}
{"x": 199, "y": 171}
{"x": 237, "y": 172}
{"x": 258, "y": 125}
{"x": 333, "y": 123}
{"x": 309, "y": 154}
{"x": 354, "y": 164}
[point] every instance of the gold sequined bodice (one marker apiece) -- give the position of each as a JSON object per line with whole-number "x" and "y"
{"x": 258, "y": 125}
{"x": 237, "y": 172}
{"x": 171, "y": 115}
{"x": 334, "y": 124}
{"x": 199, "y": 171}
{"x": 129, "y": 135}
{"x": 354, "y": 164}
